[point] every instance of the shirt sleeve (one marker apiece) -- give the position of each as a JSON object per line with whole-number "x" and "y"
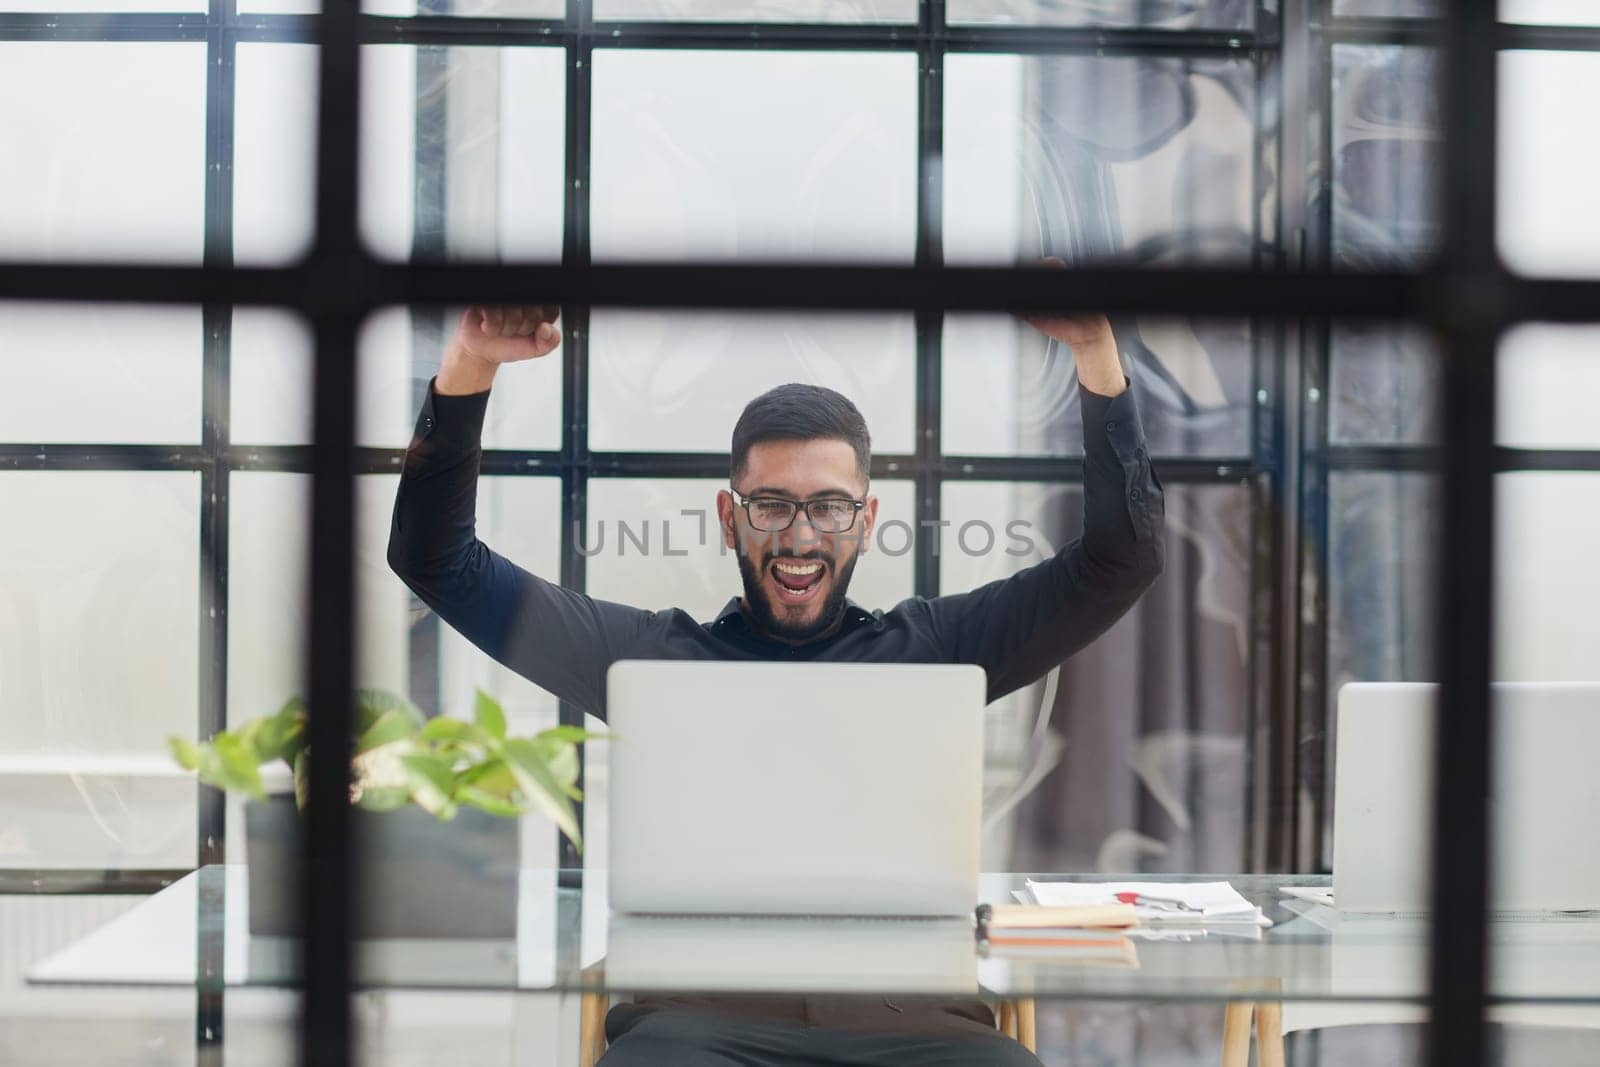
{"x": 556, "y": 638}
{"x": 1018, "y": 628}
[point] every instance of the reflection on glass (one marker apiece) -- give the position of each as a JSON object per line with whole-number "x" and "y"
{"x": 1140, "y": 764}
{"x": 99, "y": 635}
{"x": 1087, "y": 158}
{"x": 677, "y": 381}
{"x": 1165, "y": 14}
{"x": 1386, "y": 8}
{"x": 1009, "y": 390}
{"x": 754, "y": 155}
{"x": 1384, "y": 385}
{"x": 660, "y": 546}
{"x": 107, "y": 162}
{"x": 401, "y": 645}
{"x": 1386, "y": 133}
{"x": 836, "y": 11}
{"x": 461, "y": 152}
{"x": 1548, "y": 217}
{"x": 1384, "y": 537}
{"x": 115, "y": 375}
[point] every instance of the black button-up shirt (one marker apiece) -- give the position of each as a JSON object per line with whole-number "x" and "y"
{"x": 1016, "y": 628}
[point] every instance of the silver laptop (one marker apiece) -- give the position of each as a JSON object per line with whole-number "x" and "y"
{"x": 795, "y": 789}
{"x": 1545, "y": 803}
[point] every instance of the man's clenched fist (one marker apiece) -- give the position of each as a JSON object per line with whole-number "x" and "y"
{"x": 486, "y": 337}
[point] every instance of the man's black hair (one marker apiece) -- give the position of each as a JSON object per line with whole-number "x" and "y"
{"x": 797, "y": 412}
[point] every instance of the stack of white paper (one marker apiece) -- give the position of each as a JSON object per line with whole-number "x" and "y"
{"x": 1207, "y": 903}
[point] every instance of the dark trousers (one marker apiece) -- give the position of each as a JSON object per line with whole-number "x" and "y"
{"x": 690, "y": 1038}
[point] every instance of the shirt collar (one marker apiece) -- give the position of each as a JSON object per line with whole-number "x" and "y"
{"x": 732, "y": 615}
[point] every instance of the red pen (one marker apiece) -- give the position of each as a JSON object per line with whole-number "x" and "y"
{"x": 1164, "y": 903}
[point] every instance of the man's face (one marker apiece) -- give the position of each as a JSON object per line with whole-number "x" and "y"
{"x": 795, "y": 579}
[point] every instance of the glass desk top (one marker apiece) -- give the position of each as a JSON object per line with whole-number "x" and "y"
{"x": 568, "y": 941}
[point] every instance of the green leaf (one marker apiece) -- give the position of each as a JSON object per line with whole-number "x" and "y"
{"x": 493, "y": 776}
{"x": 432, "y": 785}
{"x": 184, "y": 751}
{"x": 391, "y": 726}
{"x": 541, "y": 789}
{"x": 372, "y": 704}
{"x": 384, "y": 798}
{"x": 562, "y": 759}
{"x": 571, "y": 734}
{"x": 291, "y": 730}
{"x": 490, "y": 716}
{"x": 235, "y": 766}
{"x": 445, "y": 728}
{"x": 302, "y": 779}
{"x": 483, "y": 800}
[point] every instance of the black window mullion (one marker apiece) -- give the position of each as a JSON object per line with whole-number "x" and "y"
{"x": 1470, "y": 332}
{"x": 217, "y": 339}
{"x": 929, "y": 324}
{"x": 575, "y": 253}
{"x": 336, "y": 298}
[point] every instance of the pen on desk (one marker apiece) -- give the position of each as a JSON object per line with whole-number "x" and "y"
{"x": 1163, "y": 903}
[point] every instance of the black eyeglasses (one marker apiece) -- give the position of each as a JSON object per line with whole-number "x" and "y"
{"x": 774, "y": 514}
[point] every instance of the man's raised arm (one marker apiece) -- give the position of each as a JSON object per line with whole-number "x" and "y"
{"x": 1020, "y": 627}
{"x": 558, "y": 639}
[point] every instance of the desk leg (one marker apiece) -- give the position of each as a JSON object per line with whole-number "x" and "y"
{"x": 1236, "y": 1034}
{"x": 1269, "y": 1034}
{"x": 1027, "y": 1026}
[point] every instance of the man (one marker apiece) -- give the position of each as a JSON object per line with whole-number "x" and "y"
{"x": 798, "y": 513}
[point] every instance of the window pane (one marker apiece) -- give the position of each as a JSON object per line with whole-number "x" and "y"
{"x": 1548, "y": 204}
{"x": 1551, "y": 12}
{"x": 108, "y": 163}
{"x": 523, "y": 9}
{"x": 1147, "y": 161}
{"x": 274, "y": 151}
{"x": 1142, "y": 761}
{"x": 400, "y": 350}
{"x": 1386, "y": 132}
{"x": 1009, "y": 390}
{"x": 635, "y": 556}
{"x": 1546, "y": 583}
{"x": 100, "y": 374}
{"x": 100, "y": 640}
{"x": 1384, "y": 382}
{"x": 850, "y": 11}
{"x": 677, "y": 381}
{"x": 1549, "y": 377}
{"x": 812, "y": 157}
{"x": 1383, "y": 550}
{"x": 496, "y": 182}
{"x": 1391, "y": 8}
{"x": 1198, "y": 14}
{"x": 401, "y": 645}
{"x": 1383, "y": 379}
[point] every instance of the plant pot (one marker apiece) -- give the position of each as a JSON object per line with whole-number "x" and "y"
{"x": 420, "y": 878}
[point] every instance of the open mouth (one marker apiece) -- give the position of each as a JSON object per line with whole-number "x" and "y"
{"x": 797, "y": 580}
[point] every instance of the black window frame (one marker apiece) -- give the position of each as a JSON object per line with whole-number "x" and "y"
{"x": 1464, "y": 295}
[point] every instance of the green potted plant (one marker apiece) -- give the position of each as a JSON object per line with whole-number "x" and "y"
{"x": 437, "y": 806}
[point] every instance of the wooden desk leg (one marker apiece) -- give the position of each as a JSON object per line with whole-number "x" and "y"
{"x": 1269, "y": 1034}
{"x": 1236, "y": 1034}
{"x": 1027, "y": 1025}
{"x": 1008, "y": 1019}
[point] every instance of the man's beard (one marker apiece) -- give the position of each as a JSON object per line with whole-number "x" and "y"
{"x": 767, "y": 619}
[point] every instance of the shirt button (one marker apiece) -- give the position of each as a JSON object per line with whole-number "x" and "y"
{"x": 1134, "y": 495}
{"x": 1111, "y": 426}
{"x": 427, "y": 424}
